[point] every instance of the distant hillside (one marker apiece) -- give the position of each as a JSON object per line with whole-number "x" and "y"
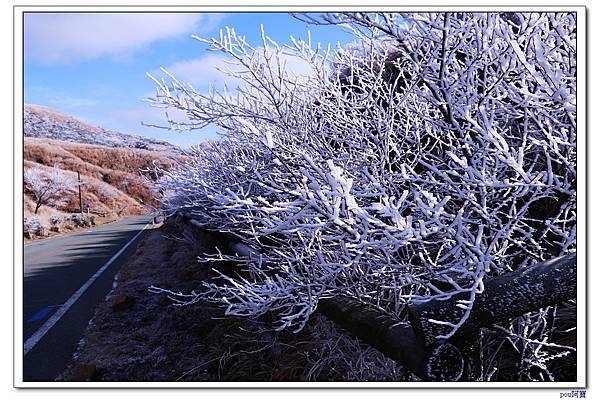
{"x": 112, "y": 182}
{"x": 44, "y": 122}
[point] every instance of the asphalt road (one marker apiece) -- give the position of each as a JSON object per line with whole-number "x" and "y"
{"x": 64, "y": 279}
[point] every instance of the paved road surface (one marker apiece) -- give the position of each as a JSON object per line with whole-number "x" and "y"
{"x": 64, "y": 279}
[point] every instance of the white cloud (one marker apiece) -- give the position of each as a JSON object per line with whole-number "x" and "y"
{"x": 70, "y": 37}
{"x": 210, "y": 70}
{"x": 296, "y": 66}
{"x": 202, "y": 71}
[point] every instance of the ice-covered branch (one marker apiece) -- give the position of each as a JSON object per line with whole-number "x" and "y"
{"x": 434, "y": 153}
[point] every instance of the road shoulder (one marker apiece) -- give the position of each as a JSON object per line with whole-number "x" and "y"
{"x": 138, "y": 336}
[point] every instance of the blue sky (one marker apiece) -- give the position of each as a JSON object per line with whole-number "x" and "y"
{"x": 93, "y": 66}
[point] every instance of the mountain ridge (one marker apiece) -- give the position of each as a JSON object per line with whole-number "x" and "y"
{"x": 44, "y": 122}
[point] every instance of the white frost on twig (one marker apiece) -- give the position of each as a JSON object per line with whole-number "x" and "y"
{"x": 378, "y": 179}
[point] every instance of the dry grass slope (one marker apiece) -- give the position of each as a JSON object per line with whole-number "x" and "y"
{"x": 112, "y": 182}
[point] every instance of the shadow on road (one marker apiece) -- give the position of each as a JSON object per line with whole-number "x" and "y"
{"x": 52, "y": 274}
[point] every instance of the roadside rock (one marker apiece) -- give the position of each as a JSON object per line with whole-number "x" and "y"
{"x": 86, "y": 373}
{"x": 122, "y": 303}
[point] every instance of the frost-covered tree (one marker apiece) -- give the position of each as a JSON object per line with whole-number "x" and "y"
{"x": 47, "y": 187}
{"x": 435, "y": 152}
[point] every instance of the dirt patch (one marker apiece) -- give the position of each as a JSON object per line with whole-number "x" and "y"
{"x": 136, "y": 335}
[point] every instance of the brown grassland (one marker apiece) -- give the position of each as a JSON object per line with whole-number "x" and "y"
{"x": 113, "y": 179}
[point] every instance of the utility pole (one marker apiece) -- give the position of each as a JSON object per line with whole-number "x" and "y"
{"x": 79, "y": 185}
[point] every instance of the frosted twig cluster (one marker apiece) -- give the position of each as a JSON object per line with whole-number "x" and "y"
{"x": 437, "y": 150}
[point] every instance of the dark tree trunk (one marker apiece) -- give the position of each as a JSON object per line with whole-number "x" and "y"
{"x": 441, "y": 361}
{"x": 504, "y": 298}
{"x": 415, "y": 345}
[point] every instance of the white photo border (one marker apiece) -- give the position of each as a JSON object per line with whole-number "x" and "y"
{"x": 582, "y": 230}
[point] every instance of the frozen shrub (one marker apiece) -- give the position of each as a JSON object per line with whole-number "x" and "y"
{"x": 33, "y": 227}
{"x": 437, "y": 151}
{"x": 55, "y": 223}
{"x": 68, "y": 223}
{"x": 55, "y": 220}
{"x": 81, "y": 220}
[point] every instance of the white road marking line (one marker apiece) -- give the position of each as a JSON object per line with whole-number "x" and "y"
{"x": 39, "y": 334}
